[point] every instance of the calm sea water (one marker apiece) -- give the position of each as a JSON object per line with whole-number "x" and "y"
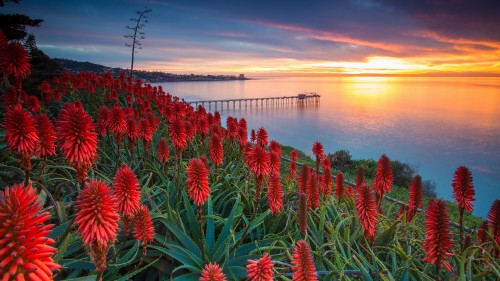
{"x": 436, "y": 124}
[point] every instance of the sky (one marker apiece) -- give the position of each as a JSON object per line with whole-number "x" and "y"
{"x": 327, "y": 37}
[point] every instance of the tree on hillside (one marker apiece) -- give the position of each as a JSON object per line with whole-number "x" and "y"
{"x": 14, "y": 26}
{"x": 136, "y": 33}
{"x": 42, "y": 66}
{"x": 2, "y": 2}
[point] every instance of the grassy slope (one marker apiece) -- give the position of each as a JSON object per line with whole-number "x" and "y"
{"x": 398, "y": 193}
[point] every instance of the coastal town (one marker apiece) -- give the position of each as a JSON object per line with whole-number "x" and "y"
{"x": 72, "y": 66}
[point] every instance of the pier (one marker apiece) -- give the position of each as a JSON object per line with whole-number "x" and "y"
{"x": 303, "y": 98}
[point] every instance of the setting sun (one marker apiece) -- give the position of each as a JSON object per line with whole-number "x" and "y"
{"x": 373, "y": 65}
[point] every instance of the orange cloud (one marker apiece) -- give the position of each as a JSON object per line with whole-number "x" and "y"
{"x": 328, "y": 36}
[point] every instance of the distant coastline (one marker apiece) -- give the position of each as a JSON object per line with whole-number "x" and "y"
{"x": 146, "y": 76}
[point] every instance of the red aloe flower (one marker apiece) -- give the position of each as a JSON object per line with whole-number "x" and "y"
{"x": 47, "y": 136}
{"x": 197, "y": 181}
{"x": 14, "y": 61}
{"x": 144, "y": 131}
{"x": 217, "y": 119}
{"x": 293, "y": 155}
{"x": 293, "y": 171}
{"x": 261, "y": 269}
{"x": 302, "y": 214}
{"x": 303, "y": 179}
{"x": 258, "y": 161}
{"x": 437, "y": 243}
{"x": 416, "y": 195}
{"x": 98, "y": 253}
{"x": 45, "y": 88}
{"x": 494, "y": 223}
{"x": 128, "y": 99}
{"x": 126, "y": 191}
{"x": 383, "y": 179}
{"x": 102, "y": 120}
{"x": 274, "y": 162}
{"x": 303, "y": 264}
{"x": 212, "y": 272}
{"x": 132, "y": 132}
{"x": 202, "y": 127}
{"x": 367, "y": 211}
{"x": 204, "y": 159}
{"x": 190, "y": 126}
{"x": 482, "y": 235}
{"x": 242, "y": 131}
{"x": 96, "y": 215}
{"x": 77, "y": 138}
{"x": 232, "y": 127}
{"x": 350, "y": 191}
{"x": 163, "y": 153}
{"x": 262, "y": 137}
{"x": 177, "y": 131}
{"x": 318, "y": 150}
{"x": 10, "y": 98}
{"x": 312, "y": 191}
{"x": 24, "y": 246}
{"x": 143, "y": 229}
{"x": 339, "y": 186}
{"x": 463, "y": 189}
{"x": 319, "y": 153}
{"x": 360, "y": 176}
{"x": 3, "y": 41}
{"x": 463, "y": 192}
{"x": 215, "y": 148}
{"x": 33, "y": 104}
{"x": 404, "y": 208}
{"x": 129, "y": 112}
{"x": 325, "y": 163}
{"x": 274, "y": 195}
{"x": 20, "y": 132}
{"x": 116, "y": 121}
{"x": 253, "y": 137}
{"x": 326, "y": 182}
{"x": 275, "y": 146}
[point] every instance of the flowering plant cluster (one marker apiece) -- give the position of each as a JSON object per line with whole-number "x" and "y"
{"x": 96, "y": 168}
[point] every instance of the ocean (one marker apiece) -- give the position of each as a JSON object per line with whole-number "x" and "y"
{"x": 434, "y": 123}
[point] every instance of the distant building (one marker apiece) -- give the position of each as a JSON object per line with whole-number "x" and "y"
{"x": 242, "y": 76}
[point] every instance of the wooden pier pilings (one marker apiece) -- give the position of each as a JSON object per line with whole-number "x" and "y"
{"x": 303, "y": 98}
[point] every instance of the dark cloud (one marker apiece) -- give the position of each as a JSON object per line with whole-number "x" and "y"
{"x": 479, "y": 20}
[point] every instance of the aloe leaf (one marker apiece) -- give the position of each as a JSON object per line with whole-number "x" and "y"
{"x": 254, "y": 224}
{"x": 385, "y": 237}
{"x": 188, "y": 277}
{"x": 85, "y": 278}
{"x": 463, "y": 259}
{"x": 210, "y": 235}
{"x": 183, "y": 238}
{"x": 180, "y": 256}
{"x": 249, "y": 247}
{"x": 134, "y": 273}
{"x": 191, "y": 216}
{"x": 129, "y": 257}
{"x": 62, "y": 247}
{"x": 77, "y": 264}
{"x": 224, "y": 235}
{"x": 362, "y": 268}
